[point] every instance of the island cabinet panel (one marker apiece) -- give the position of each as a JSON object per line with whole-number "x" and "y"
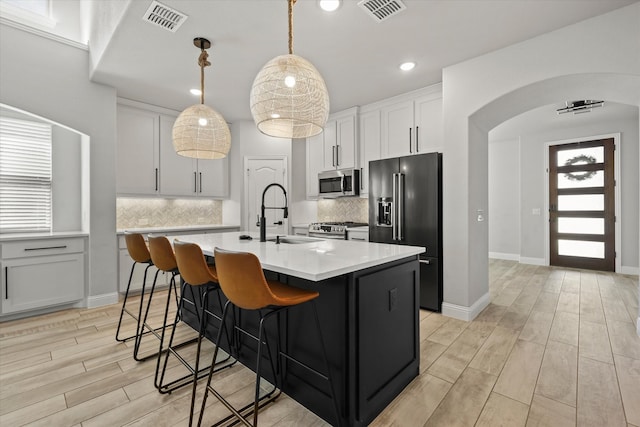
{"x": 369, "y": 325}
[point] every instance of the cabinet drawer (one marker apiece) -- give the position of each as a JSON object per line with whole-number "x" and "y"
{"x": 31, "y": 248}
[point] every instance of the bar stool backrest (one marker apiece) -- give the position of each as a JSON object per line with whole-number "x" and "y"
{"x": 136, "y": 247}
{"x": 192, "y": 264}
{"x": 242, "y": 280}
{"x": 162, "y": 253}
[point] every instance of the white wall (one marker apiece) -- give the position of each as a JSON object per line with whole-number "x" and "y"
{"x": 504, "y": 199}
{"x": 66, "y": 200}
{"x": 50, "y": 79}
{"x": 576, "y": 62}
{"x": 246, "y": 140}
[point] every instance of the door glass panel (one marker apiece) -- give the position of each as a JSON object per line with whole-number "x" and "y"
{"x": 581, "y": 248}
{"x": 581, "y": 202}
{"x": 581, "y": 179}
{"x": 581, "y": 225}
{"x": 581, "y": 156}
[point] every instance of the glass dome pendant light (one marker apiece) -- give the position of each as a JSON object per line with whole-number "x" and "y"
{"x": 200, "y": 131}
{"x": 289, "y": 98}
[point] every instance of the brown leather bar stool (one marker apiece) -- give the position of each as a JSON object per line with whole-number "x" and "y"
{"x": 197, "y": 276}
{"x": 139, "y": 252}
{"x": 164, "y": 259}
{"x": 243, "y": 282}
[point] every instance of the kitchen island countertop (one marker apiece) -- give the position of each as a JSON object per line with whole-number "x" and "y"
{"x": 315, "y": 259}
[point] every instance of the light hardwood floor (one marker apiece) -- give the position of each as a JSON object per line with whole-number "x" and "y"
{"x": 555, "y": 347}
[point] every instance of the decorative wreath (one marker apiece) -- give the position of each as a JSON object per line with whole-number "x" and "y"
{"x": 581, "y": 159}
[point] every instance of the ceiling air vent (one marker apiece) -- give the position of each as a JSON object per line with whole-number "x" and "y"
{"x": 164, "y": 16}
{"x": 382, "y": 9}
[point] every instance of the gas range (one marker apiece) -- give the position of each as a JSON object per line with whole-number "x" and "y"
{"x": 332, "y": 230}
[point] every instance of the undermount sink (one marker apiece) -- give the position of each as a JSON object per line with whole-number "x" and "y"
{"x": 294, "y": 240}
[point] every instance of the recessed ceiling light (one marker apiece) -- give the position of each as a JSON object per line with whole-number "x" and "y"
{"x": 406, "y": 66}
{"x": 196, "y": 92}
{"x": 329, "y": 5}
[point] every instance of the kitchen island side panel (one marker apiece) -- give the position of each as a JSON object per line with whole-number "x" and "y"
{"x": 366, "y": 318}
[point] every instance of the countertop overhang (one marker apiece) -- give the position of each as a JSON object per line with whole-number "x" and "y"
{"x": 317, "y": 260}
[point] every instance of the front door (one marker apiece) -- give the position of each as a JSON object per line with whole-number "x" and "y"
{"x": 582, "y": 205}
{"x": 260, "y": 172}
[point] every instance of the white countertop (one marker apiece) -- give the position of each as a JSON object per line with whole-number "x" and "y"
{"x": 179, "y": 228}
{"x": 317, "y": 260}
{"x": 47, "y": 235}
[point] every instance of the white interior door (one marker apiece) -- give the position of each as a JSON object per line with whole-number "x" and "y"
{"x": 259, "y": 173}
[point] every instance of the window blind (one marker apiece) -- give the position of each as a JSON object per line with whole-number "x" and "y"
{"x": 25, "y": 176}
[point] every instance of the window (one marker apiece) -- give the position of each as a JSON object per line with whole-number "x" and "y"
{"x": 39, "y": 7}
{"x": 25, "y": 176}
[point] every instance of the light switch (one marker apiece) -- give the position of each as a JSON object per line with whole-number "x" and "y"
{"x": 480, "y": 215}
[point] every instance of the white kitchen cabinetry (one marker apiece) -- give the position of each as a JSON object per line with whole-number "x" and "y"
{"x": 187, "y": 177}
{"x": 42, "y": 273}
{"x": 148, "y": 164}
{"x": 315, "y": 153}
{"x": 369, "y": 146}
{"x": 412, "y": 124}
{"x": 340, "y": 136}
{"x": 360, "y": 234}
{"x": 300, "y": 230}
{"x": 138, "y": 158}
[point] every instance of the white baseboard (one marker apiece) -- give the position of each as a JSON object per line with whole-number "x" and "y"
{"x": 100, "y": 300}
{"x": 508, "y": 257}
{"x": 532, "y": 261}
{"x": 632, "y": 271}
{"x": 466, "y": 313}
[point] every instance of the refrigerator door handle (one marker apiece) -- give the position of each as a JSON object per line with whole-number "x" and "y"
{"x": 342, "y": 184}
{"x": 394, "y": 217}
{"x": 400, "y": 207}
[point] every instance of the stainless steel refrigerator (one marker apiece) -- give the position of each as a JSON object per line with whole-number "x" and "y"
{"x": 405, "y": 208}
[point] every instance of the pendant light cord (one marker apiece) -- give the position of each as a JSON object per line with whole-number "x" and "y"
{"x": 291, "y": 3}
{"x": 202, "y": 62}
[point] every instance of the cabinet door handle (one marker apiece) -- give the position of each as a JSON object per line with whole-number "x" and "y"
{"x": 361, "y": 180}
{"x": 333, "y": 155}
{"x": 156, "y": 179}
{"x": 424, "y": 261}
{"x": 6, "y": 283}
{"x": 45, "y": 248}
{"x": 358, "y": 238}
{"x": 417, "y": 141}
{"x": 337, "y": 155}
{"x": 200, "y": 182}
{"x": 410, "y": 151}
{"x": 195, "y": 182}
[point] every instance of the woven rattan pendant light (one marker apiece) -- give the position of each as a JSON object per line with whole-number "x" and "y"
{"x": 289, "y": 98}
{"x": 200, "y": 131}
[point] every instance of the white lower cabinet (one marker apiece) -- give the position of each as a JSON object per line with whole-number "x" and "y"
{"x": 42, "y": 273}
{"x": 300, "y": 230}
{"x": 361, "y": 235}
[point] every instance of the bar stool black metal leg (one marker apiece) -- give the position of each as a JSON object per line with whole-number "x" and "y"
{"x": 124, "y": 303}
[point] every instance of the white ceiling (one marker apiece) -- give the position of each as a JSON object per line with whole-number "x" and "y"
{"x": 357, "y": 56}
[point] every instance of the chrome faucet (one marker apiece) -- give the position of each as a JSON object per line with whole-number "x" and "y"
{"x": 263, "y": 223}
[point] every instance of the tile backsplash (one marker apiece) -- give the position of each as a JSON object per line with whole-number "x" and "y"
{"x": 353, "y": 209}
{"x": 141, "y": 213}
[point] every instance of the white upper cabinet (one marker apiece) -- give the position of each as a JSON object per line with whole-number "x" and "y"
{"x": 138, "y": 159}
{"x": 187, "y": 177}
{"x": 340, "y": 140}
{"x": 148, "y": 163}
{"x": 412, "y": 124}
{"x": 315, "y": 161}
{"x": 369, "y": 146}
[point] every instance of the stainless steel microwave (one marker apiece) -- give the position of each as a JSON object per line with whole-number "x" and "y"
{"x": 339, "y": 183}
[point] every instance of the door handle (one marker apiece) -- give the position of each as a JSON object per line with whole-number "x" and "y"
{"x": 417, "y": 141}
{"x": 400, "y": 208}
{"x": 394, "y": 232}
{"x": 410, "y": 141}
{"x": 333, "y": 155}
{"x": 195, "y": 182}
{"x": 337, "y": 155}
{"x": 277, "y": 223}
{"x": 201, "y": 182}
{"x": 361, "y": 180}
{"x": 424, "y": 261}
{"x": 6, "y": 283}
{"x": 156, "y": 179}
